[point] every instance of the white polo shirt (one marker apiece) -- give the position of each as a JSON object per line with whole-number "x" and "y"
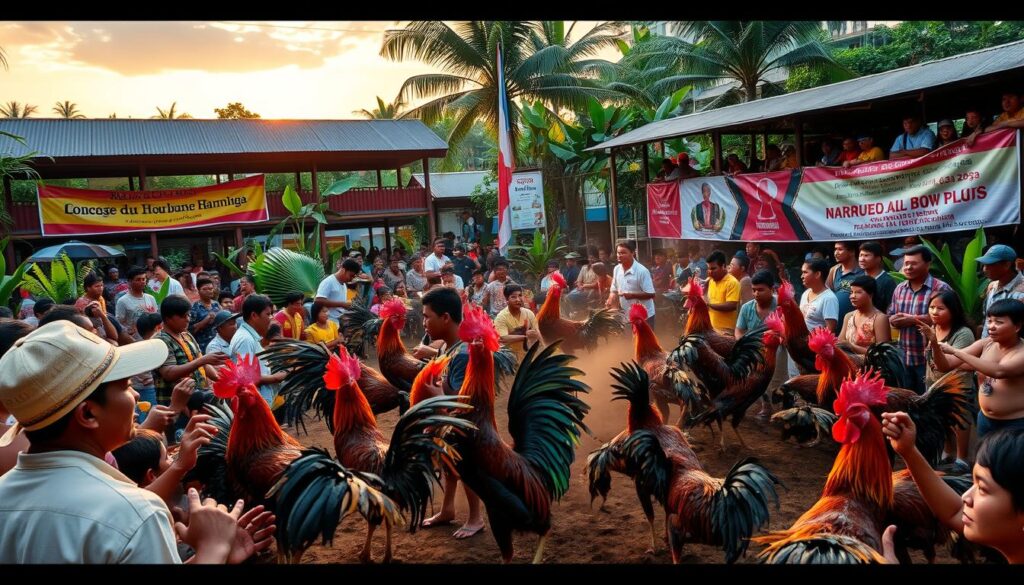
{"x": 434, "y": 264}
{"x": 68, "y": 507}
{"x": 635, "y": 280}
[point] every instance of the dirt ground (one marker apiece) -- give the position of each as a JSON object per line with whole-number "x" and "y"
{"x": 580, "y": 532}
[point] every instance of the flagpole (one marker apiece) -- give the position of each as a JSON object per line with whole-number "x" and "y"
{"x": 506, "y": 161}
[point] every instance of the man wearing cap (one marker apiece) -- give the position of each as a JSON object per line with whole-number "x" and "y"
{"x": 62, "y": 503}
{"x": 999, "y": 265}
{"x": 571, "y": 272}
{"x": 916, "y": 140}
{"x": 224, "y": 325}
{"x": 868, "y": 152}
{"x": 203, "y": 312}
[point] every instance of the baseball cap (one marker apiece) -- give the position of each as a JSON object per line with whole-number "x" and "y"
{"x": 223, "y": 317}
{"x": 998, "y": 253}
{"x": 53, "y": 369}
{"x": 945, "y": 123}
{"x": 572, "y": 256}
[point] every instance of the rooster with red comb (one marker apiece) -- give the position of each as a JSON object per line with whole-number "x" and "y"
{"x": 405, "y": 468}
{"x": 698, "y": 321}
{"x": 575, "y": 335}
{"x": 254, "y": 459}
{"x": 518, "y": 482}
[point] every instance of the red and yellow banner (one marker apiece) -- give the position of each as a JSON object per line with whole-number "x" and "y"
{"x": 64, "y": 211}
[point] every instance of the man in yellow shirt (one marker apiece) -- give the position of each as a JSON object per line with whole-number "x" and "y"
{"x": 516, "y": 324}
{"x": 723, "y": 294}
{"x": 868, "y": 152}
{"x": 1013, "y": 114}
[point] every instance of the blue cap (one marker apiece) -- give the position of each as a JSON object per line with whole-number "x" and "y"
{"x": 864, "y": 137}
{"x": 998, "y": 253}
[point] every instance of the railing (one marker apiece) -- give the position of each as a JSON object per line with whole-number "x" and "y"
{"x": 359, "y": 202}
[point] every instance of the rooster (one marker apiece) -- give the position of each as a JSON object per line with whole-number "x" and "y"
{"x": 518, "y": 482}
{"x": 574, "y": 334}
{"x": 946, "y": 404}
{"x": 394, "y": 360}
{"x": 735, "y": 399}
{"x": 306, "y": 363}
{"x": 669, "y": 383}
{"x": 698, "y": 321}
{"x": 255, "y": 460}
{"x": 406, "y": 466}
{"x": 698, "y": 507}
{"x": 717, "y": 372}
{"x": 862, "y": 495}
{"x": 797, "y": 335}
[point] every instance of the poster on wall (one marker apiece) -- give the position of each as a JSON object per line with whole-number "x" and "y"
{"x": 526, "y": 200}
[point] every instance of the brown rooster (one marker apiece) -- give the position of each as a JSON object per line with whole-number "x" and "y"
{"x": 252, "y": 458}
{"x": 797, "y": 334}
{"x": 404, "y": 470}
{"x": 735, "y": 399}
{"x": 946, "y": 404}
{"x": 698, "y": 508}
{"x": 574, "y": 334}
{"x": 306, "y": 364}
{"x": 698, "y": 321}
{"x": 394, "y": 360}
{"x": 669, "y": 382}
{"x": 518, "y": 482}
{"x": 862, "y": 495}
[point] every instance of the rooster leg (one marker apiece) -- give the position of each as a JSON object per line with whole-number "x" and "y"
{"x": 736, "y": 430}
{"x": 721, "y": 442}
{"x": 387, "y": 540}
{"x": 654, "y": 539}
{"x": 662, "y": 405}
{"x": 364, "y": 556}
{"x": 538, "y": 556}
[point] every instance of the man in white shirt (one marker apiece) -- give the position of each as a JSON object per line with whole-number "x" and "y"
{"x": 62, "y": 503}
{"x": 161, "y": 272}
{"x": 433, "y": 264}
{"x": 333, "y": 290}
{"x": 256, "y": 319}
{"x": 631, "y": 282}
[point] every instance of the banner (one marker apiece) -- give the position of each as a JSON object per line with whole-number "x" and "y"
{"x": 663, "y": 218}
{"x": 957, "y": 187}
{"x": 65, "y": 211}
{"x": 526, "y": 199}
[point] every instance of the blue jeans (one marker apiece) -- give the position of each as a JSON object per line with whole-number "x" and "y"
{"x": 988, "y": 425}
{"x": 916, "y": 374}
{"x": 145, "y": 395}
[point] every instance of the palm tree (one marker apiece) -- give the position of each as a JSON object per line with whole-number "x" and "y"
{"x": 170, "y": 113}
{"x": 742, "y": 51}
{"x": 539, "y": 61}
{"x": 3, "y": 58}
{"x": 383, "y": 111}
{"x": 67, "y": 110}
{"x": 16, "y": 110}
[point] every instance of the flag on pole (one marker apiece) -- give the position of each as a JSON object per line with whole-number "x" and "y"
{"x": 506, "y": 163}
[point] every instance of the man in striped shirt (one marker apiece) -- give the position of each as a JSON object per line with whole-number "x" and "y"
{"x": 910, "y": 307}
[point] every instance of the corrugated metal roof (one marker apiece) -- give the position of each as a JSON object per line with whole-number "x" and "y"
{"x": 447, "y": 185}
{"x": 105, "y": 137}
{"x": 906, "y": 80}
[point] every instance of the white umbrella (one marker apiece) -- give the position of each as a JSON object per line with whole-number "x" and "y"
{"x": 75, "y": 250}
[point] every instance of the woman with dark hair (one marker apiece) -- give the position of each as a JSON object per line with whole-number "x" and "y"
{"x": 865, "y": 324}
{"x": 949, "y": 326}
{"x": 818, "y": 304}
{"x": 991, "y": 512}
{"x": 185, "y": 279}
{"x": 947, "y": 134}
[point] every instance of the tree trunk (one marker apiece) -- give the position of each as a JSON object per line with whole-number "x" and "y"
{"x": 750, "y": 88}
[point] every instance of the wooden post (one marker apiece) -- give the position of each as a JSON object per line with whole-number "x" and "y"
{"x": 154, "y": 245}
{"x": 398, "y": 177}
{"x": 325, "y": 253}
{"x": 131, "y": 183}
{"x": 613, "y": 204}
{"x": 645, "y": 165}
{"x": 798, "y": 139}
{"x": 753, "y": 151}
{"x": 9, "y": 205}
{"x": 431, "y": 213}
{"x": 298, "y": 185}
{"x": 380, "y": 180}
{"x": 239, "y": 240}
{"x": 231, "y": 176}
{"x": 716, "y": 142}
{"x": 217, "y": 178}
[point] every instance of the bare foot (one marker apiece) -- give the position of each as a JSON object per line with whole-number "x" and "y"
{"x": 469, "y": 530}
{"x": 439, "y": 519}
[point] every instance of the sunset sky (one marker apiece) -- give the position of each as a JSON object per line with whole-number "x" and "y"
{"x": 280, "y": 69}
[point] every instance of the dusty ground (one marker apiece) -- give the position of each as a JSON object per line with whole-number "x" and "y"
{"x": 581, "y": 533}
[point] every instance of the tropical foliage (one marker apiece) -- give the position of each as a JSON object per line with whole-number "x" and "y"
{"x": 235, "y": 111}
{"x": 280, "y": 271}
{"x": 9, "y": 282}
{"x": 62, "y": 284}
{"x": 533, "y": 259}
{"x": 383, "y": 111}
{"x": 14, "y": 109}
{"x": 67, "y": 110}
{"x": 170, "y": 113}
{"x": 318, "y": 211}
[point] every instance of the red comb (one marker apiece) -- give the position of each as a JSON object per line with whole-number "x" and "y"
{"x": 342, "y": 369}
{"x": 477, "y": 325}
{"x": 637, "y": 313}
{"x": 236, "y": 375}
{"x": 774, "y": 322}
{"x": 558, "y": 279}
{"x": 855, "y": 397}
{"x": 392, "y": 308}
{"x": 785, "y": 292}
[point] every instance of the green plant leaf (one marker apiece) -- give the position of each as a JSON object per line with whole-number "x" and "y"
{"x": 9, "y": 283}
{"x": 342, "y": 186}
{"x": 231, "y": 266}
{"x": 161, "y": 294}
{"x": 596, "y": 113}
{"x": 291, "y": 200}
{"x": 281, "y": 271}
{"x": 969, "y": 280}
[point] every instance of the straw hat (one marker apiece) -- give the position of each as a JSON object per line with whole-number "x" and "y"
{"x": 49, "y": 372}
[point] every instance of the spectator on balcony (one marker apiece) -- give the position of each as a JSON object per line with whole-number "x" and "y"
{"x": 829, "y": 154}
{"x": 1013, "y": 113}
{"x": 733, "y": 165}
{"x": 869, "y": 153}
{"x": 974, "y": 124}
{"x": 685, "y": 170}
{"x": 849, "y": 152}
{"x": 789, "y": 158}
{"x": 917, "y": 140}
{"x": 669, "y": 171}
{"x": 947, "y": 134}
{"x": 773, "y": 160}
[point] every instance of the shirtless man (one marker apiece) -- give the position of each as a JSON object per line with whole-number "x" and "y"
{"x": 999, "y": 361}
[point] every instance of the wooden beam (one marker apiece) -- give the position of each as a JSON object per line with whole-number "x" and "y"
{"x": 753, "y": 151}
{"x": 131, "y": 183}
{"x": 431, "y": 212}
{"x": 380, "y": 180}
{"x": 9, "y": 205}
{"x": 154, "y": 244}
{"x": 325, "y": 254}
{"x": 644, "y": 165}
{"x": 716, "y": 142}
{"x": 613, "y": 204}
{"x": 798, "y": 139}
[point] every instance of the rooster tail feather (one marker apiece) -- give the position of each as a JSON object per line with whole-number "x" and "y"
{"x": 601, "y": 323}
{"x": 740, "y": 506}
{"x": 821, "y": 549}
